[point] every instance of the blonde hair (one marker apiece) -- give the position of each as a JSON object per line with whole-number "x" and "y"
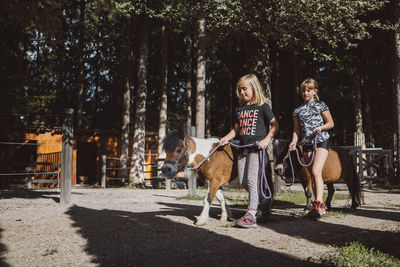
{"x": 258, "y": 95}
{"x": 310, "y": 83}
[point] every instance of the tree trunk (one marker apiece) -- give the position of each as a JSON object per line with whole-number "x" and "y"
{"x": 137, "y": 170}
{"x": 208, "y": 125}
{"x": 126, "y": 108}
{"x": 266, "y": 75}
{"x": 81, "y": 67}
{"x": 188, "y": 81}
{"x": 294, "y": 92}
{"x": 201, "y": 81}
{"x": 231, "y": 89}
{"x": 162, "y": 129}
{"x": 126, "y": 116}
{"x": 208, "y": 112}
{"x": 275, "y": 78}
{"x": 397, "y": 90}
{"x": 369, "y": 140}
{"x": 266, "y": 81}
{"x": 20, "y": 66}
{"x": 359, "y": 138}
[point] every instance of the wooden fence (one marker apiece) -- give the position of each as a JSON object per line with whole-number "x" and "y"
{"x": 110, "y": 171}
{"x": 372, "y": 164}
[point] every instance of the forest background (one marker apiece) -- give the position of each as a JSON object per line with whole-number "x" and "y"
{"x": 149, "y": 65}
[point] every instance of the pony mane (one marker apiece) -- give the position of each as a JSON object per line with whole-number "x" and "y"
{"x": 171, "y": 141}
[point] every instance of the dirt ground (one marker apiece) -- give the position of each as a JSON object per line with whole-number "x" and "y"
{"x": 148, "y": 227}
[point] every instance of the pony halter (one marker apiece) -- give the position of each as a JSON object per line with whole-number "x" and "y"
{"x": 177, "y": 163}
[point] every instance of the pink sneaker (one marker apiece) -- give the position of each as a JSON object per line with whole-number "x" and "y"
{"x": 247, "y": 221}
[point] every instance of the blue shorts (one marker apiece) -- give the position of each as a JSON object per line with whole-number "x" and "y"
{"x": 310, "y": 148}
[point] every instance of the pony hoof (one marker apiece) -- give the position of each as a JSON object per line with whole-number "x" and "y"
{"x": 223, "y": 219}
{"x": 201, "y": 223}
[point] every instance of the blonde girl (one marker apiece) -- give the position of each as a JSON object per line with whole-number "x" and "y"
{"x": 252, "y": 120}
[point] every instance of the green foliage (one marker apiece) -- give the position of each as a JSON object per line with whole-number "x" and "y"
{"x": 356, "y": 254}
{"x": 196, "y": 197}
{"x": 395, "y": 190}
{"x": 49, "y": 251}
{"x": 290, "y": 197}
{"x": 330, "y": 40}
{"x": 239, "y": 202}
{"x": 298, "y": 197}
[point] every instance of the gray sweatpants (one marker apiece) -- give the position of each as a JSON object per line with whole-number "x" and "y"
{"x": 248, "y": 170}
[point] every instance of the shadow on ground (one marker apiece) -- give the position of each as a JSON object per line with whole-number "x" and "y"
{"x": 327, "y": 233}
{"x": 323, "y": 232}
{"x": 3, "y": 250}
{"x": 120, "y": 238}
{"x": 392, "y": 214}
{"x": 53, "y": 194}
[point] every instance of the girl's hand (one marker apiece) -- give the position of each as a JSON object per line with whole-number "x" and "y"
{"x": 292, "y": 146}
{"x": 263, "y": 144}
{"x": 223, "y": 141}
{"x": 316, "y": 129}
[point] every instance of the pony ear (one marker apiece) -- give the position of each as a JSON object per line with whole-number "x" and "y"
{"x": 181, "y": 133}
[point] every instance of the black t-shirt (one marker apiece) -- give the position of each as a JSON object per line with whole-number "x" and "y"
{"x": 253, "y": 122}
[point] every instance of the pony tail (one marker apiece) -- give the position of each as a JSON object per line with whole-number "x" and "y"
{"x": 316, "y": 97}
{"x": 358, "y": 195}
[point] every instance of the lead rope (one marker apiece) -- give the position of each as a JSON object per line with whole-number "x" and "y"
{"x": 263, "y": 176}
{"x": 298, "y": 157}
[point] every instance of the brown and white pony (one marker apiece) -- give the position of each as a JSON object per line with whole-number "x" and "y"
{"x": 339, "y": 164}
{"x": 217, "y": 171}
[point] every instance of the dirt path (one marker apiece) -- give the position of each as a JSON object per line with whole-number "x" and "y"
{"x": 126, "y": 227}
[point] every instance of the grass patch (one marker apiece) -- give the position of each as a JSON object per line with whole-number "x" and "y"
{"x": 335, "y": 213}
{"x": 196, "y": 197}
{"x": 394, "y": 190}
{"x": 371, "y": 207}
{"x": 339, "y": 212}
{"x": 229, "y": 225}
{"x": 239, "y": 202}
{"x": 339, "y": 196}
{"x": 290, "y": 197}
{"x": 356, "y": 254}
{"x": 286, "y": 198}
{"x": 298, "y": 197}
{"x": 48, "y": 252}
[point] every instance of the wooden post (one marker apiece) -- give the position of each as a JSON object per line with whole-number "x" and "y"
{"x": 103, "y": 171}
{"x": 192, "y": 131}
{"x": 360, "y": 164}
{"x": 66, "y": 168}
{"x": 167, "y": 184}
{"x": 192, "y": 179}
{"x": 58, "y": 176}
{"x": 391, "y": 172}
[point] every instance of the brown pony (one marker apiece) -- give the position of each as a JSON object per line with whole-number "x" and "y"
{"x": 218, "y": 170}
{"x": 338, "y": 165}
